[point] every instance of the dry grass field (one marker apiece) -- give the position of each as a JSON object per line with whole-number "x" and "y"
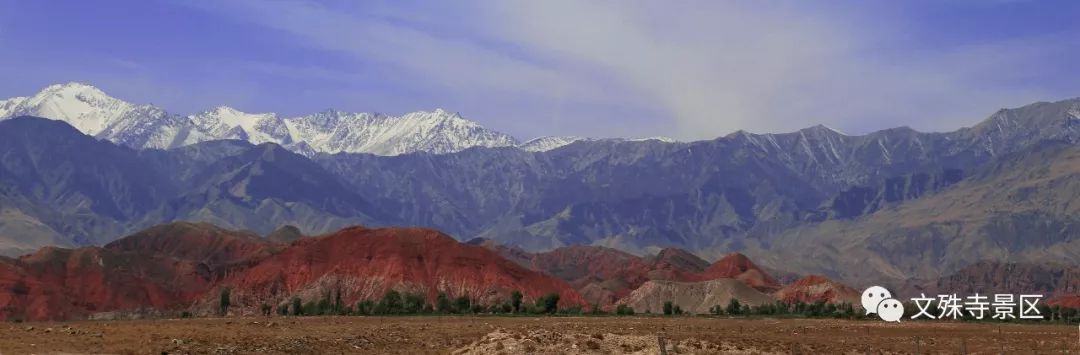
{"x": 519, "y": 335}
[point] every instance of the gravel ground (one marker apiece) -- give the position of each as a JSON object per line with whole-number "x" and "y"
{"x": 519, "y": 335}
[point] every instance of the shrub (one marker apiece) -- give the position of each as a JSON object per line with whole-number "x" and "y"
{"x": 624, "y": 310}
{"x": 669, "y": 308}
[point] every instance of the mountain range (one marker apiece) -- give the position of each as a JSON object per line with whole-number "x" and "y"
{"x": 883, "y": 207}
{"x": 97, "y": 114}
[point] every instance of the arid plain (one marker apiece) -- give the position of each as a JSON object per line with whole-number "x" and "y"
{"x": 518, "y": 335}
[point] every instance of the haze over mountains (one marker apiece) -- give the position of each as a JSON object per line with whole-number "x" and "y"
{"x": 889, "y": 205}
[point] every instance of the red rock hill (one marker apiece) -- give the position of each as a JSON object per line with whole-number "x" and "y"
{"x": 365, "y": 263}
{"x": 182, "y": 266}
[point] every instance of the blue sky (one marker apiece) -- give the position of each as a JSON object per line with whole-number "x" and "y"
{"x": 685, "y": 69}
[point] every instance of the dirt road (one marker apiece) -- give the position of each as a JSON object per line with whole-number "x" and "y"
{"x": 510, "y": 335}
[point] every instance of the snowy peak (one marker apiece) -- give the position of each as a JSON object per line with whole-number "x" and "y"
{"x": 85, "y": 107}
{"x": 224, "y": 122}
{"x": 93, "y": 112}
{"x": 437, "y": 131}
{"x": 546, "y": 143}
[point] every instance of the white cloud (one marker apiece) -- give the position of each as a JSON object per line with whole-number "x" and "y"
{"x": 707, "y": 67}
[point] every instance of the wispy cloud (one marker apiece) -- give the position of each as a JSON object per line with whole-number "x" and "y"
{"x": 693, "y": 70}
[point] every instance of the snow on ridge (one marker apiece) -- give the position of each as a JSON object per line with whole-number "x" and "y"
{"x": 546, "y": 143}
{"x": 438, "y": 131}
{"x": 93, "y": 112}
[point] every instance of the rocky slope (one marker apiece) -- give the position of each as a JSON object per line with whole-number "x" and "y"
{"x": 814, "y": 288}
{"x": 693, "y": 297}
{"x": 183, "y": 266}
{"x": 365, "y": 263}
{"x": 739, "y": 267}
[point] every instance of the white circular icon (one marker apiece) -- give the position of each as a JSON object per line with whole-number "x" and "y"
{"x": 890, "y": 310}
{"x": 872, "y": 296}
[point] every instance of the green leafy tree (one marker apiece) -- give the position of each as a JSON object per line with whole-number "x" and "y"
{"x": 324, "y": 306}
{"x": 624, "y": 310}
{"x": 338, "y": 304}
{"x": 515, "y": 300}
{"x": 669, "y": 308}
{"x": 734, "y": 307}
{"x": 297, "y": 307}
{"x": 391, "y": 303}
{"x": 283, "y": 309}
{"x": 225, "y": 302}
{"x": 414, "y": 303}
{"x": 442, "y": 303}
{"x": 551, "y": 303}
{"x": 365, "y": 307}
{"x": 462, "y": 304}
{"x": 266, "y": 309}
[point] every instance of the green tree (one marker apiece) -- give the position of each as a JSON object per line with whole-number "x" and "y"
{"x": 414, "y": 303}
{"x": 225, "y": 302}
{"x": 624, "y": 310}
{"x": 390, "y": 304}
{"x": 551, "y": 303}
{"x": 297, "y": 308}
{"x": 324, "y": 306}
{"x": 462, "y": 304}
{"x": 365, "y": 307}
{"x": 515, "y": 300}
{"x": 266, "y": 309}
{"x": 338, "y": 304}
{"x": 669, "y": 308}
{"x": 442, "y": 303}
{"x": 283, "y": 309}
{"x": 734, "y": 307}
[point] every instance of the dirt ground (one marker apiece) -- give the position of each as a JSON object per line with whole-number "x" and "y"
{"x": 520, "y": 335}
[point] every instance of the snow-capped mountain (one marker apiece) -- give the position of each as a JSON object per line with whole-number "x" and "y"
{"x": 437, "y": 132}
{"x": 95, "y": 113}
{"x": 546, "y": 143}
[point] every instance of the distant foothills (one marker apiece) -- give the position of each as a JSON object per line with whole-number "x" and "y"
{"x": 197, "y": 269}
{"x": 898, "y": 207}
